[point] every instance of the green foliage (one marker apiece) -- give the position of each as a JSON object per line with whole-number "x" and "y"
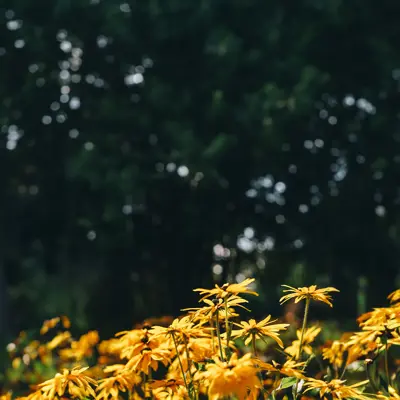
{"x": 104, "y": 101}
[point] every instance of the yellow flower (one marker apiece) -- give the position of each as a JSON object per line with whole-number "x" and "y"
{"x": 179, "y": 329}
{"x": 227, "y": 290}
{"x": 6, "y": 396}
{"x": 206, "y": 313}
{"x": 81, "y": 348}
{"x": 52, "y": 323}
{"x": 58, "y": 340}
{"x": 73, "y": 382}
{"x": 49, "y": 324}
{"x": 309, "y": 336}
{"x": 336, "y": 389}
{"x": 236, "y": 377}
{"x": 334, "y": 353}
{"x": 123, "y": 381}
{"x": 169, "y": 389}
{"x": 393, "y": 395}
{"x": 149, "y": 359}
{"x": 386, "y": 317}
{"x": 258, "y": 330}
{"x": 394, "y": 297}
{"x": 201, "y": 349}
{"x": 310, "y": 292}
{"x": 289, "y": 368}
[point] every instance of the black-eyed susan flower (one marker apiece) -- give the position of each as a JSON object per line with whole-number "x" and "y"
{"x": 58, "y": 340}
{"x": 253, "y": 329}
{"x": 228, "y": 289}
{"x": 334, "y": 353}
{"x": 207, "y": 312}
{"x": 169, "y": 389}
{"x": 81, "y": 348}
{"x": 308, "y": 337}
{"x": 394, "y": 297}
{"x": 149, "y": 359}
{"x": 72, "y": 382}
{"x": 289, "y": 368}
{"x": 336, "y": 389}
{"x": 236, "y": 377}
{"x": 310, "y": 293}
{"x": 182, "y": 328}
{"x": 123, "y": 381}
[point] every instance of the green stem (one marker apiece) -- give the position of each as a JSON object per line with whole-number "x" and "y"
{"x": 219, "y": 336}
{"x": 188, "y": 359}
{"x": 180, "y": 362}
{"x": 387, "y": 363}
{"x": 253, "y": 344}
{"x": 303, "y": 329}
{"x": 212, "y": 334}
{"x": 226, "y": 322}
{"x": 227, "y": 329}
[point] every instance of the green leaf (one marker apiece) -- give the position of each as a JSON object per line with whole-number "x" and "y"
{"x": 287, "y": 382}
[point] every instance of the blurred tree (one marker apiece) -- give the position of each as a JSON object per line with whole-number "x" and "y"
{"x": 137, "y": 136}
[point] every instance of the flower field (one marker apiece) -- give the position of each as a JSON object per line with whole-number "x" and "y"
{"x": 211, "y": 352}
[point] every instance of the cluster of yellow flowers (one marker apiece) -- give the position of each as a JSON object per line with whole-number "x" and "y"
{"x": 210, "y": 353}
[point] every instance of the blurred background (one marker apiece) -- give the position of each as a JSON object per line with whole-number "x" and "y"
{"x": 151, "y": 147}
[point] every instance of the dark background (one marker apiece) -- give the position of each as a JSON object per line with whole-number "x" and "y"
{"x": 144, "y": 142}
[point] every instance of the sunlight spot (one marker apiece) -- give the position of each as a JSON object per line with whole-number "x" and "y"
{"x": 249, "y": 233}
{"x": 127, "y": 209}
{"x": 102, "y": 41}
{"x": 217, "y": 269}
{"x": 89, "y": 146}
{"x": 349, "y": 101}
{"x": 323, "y": 114}
{"x": 55, "y": 106}
{"x": 280, "y": 187}
{"x": 46, "y": 119}
{"x": 183, "y": 171}
{"x": 14, "y": 25}
{"x": 74, "y": 103}
{"x": 380, "y": 211}
{"x": 303, "y": 208}
{"x": 66, "y": 46}
{"x": 332, "y": 120}
{"x": 251, "y": 193}
{"x": 298, "y": 243}
{"x": 64, "y": 98}
{"x": 19, "y": 43}
{"x": 73, "y": 133}
{"x": 134, "y": 79}
{"x": 319, "y": 143}
{"x": 125, "y": 7}
{"x": 91, "y": 235}
{"x": 9, "y": 14}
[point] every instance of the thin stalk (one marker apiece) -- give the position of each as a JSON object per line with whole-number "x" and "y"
{"x": 228, "y": 329}
{"x": 219, "y": 336}
{"x": 253, "y": 344}
{"x": 212, "y": 334}
{"x": 303, "y": 328}
{"x": 180, "y": 362}
{"x": 226, "y": 322}
{"x": 188, "y": 359}
{"x": 146, "y": 386}
{"x": 387, "y": 363}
